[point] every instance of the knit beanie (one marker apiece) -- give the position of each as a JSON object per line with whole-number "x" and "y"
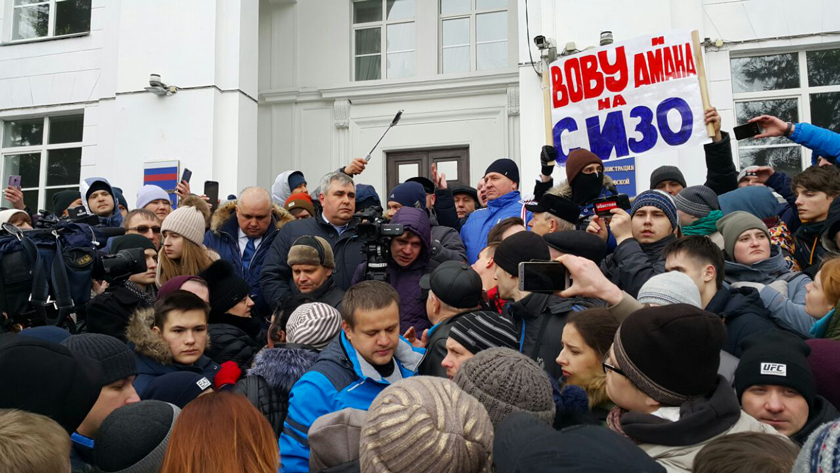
{"x": 186, "y": 221}
{"x": 295, "y": 179}
{"x": 226, "y": 288}
{"x": 133, "y": 438}
{"x": 482, "y": 330}
{"x": 824, "y": 361}
{"x": 658, "y": 199}
{"x": 62, "y": 200}
{"x": 175, "y": 284}
{"x": 666, "y": 173}
{"x": 506, "y": 167}
{"x": 670, "y": 353}
{"x": 149, "y": 193}
{"x": 821, "y": 452}
{"x": 130, "y": 242}
{"x": 366, "y": 197}
{"x": 98, "y": 185}
{"x": 775, "y": 358}
{"x": 744, "y": 171}
{"x": 48, "y": 379}
{"x": 312, "y": 250}
{"x": 116, "y": 359}
{"x": 300, "y": 200}
{"x": 755, "y": 200}
{"x": 314, "y": 324}
{"x": 429, "y": 424}
{"x": 669, "y": 288}
{"x": 334, "y": 438}
{"x": 178, "y": 388}
{"x": 505, "y": 381}
{"x": 118, "y": 194}
{"x": 731, "y": 226}
{"x": 579, "y": 159}
{"x": 520, "y": 247}
{"x": 409, "y": 194}
{"x": 697, "y": 201}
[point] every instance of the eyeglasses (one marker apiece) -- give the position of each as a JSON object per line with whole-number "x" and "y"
{"x": 145, "y": 229}
{"x": 606, "y": 366}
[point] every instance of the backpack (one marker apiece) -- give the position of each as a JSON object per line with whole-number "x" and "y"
{"x": 18, "y": 260}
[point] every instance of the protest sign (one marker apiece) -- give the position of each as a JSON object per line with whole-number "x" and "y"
{"x": 623, "y": 174}
{"x": 630, "y": 98}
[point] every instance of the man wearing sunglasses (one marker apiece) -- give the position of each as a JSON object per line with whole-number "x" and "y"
{"x": 143, "y": 222}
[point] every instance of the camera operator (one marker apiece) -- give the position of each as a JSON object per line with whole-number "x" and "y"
{"x": 109, "y": 312}
{"x": 64, "y": 200}
{"x": 408, "y": 260}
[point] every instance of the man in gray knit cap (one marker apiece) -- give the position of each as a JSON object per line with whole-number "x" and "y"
{"x": 667, "y": 179}
{"x": 312, "y": 262}
{"x": 699, "y": 210}
{"x": 119, "y": 370}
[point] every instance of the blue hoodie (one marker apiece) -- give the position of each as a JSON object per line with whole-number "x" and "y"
{"x": 478, "y": 225}
{"x": 116, "y": 218}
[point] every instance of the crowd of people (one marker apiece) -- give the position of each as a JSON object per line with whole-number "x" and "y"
{"x": 698, "y": 330}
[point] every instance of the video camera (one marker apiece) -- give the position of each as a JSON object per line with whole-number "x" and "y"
{"x": 376, "y": 233}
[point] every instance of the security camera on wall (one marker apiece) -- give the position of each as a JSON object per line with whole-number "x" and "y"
{"x": 154, "y": 81}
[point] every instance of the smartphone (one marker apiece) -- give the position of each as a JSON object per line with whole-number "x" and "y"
{"x": 747, "y": 130}
{"x": 14, "y": 181}
{"x": 186, "y": 176}
{"x": 211, "y": 190}
{"x": 543, "y": 276}
{"x": 603, "y": 205}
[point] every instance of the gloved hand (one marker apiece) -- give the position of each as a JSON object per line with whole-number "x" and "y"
{"x": 228, "y": 374}
{"x": 548, "y": 155}
{"x": 755, "y": 285}
{"x": 781, "y": 286}
{"x": 437, "y": 247}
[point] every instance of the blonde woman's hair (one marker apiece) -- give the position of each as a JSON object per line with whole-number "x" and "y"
{"x": 32, "y": 443}
{"x": 194, "y": 259}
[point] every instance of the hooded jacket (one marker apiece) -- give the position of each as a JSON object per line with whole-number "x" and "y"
{"x": 633, "y": 263}
{"x": 675, "y": 444}
{"x": 831, "y": 227}
{"x": 822, "y": 412}
{"x": 787, "y": 310}
{"x": 446, "y": 243}
{"x": 280, "y": 190}
{"x": 823, "y": 142}
{"x": 539, "y": 319}
{"x": 223, "y": 238}
{"x": 233, "y": 339}
{"x": 340, "y": 378}
{"x": 480, "y": 222}
{"x": 113, "y": 220}
{"x": 743, "y": 314}
{"x": 153, "y": 355}
{"x": 406, "y": 280}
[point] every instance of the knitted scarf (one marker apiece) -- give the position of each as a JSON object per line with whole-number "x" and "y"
{"x": 149, "y": 296}
{"x": 614, "y": 422}
{"x": 705, "y": 226}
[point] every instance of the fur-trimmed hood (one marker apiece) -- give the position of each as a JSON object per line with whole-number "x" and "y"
{"x": 283, "y": 365}
{"x": 226, "y": 211}
{"x": 596, "y": 390}
{"x": 565, "y": 190}
{"x": 146, "y": 342}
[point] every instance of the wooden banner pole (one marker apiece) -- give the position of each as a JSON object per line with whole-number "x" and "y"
{"x": 546, "y": 87}
{"x": 701, "y": 75}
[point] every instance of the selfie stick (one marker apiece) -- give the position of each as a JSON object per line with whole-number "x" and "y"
{"x": 393, "y": 122}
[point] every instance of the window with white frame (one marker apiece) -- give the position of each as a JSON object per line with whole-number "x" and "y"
{"x": 384, "y": 39}
{"x": 474, "y": 35}
{"x": 47, "y": 155}
{"x": 800, "y": 86}
{"x": 33, "y": 19}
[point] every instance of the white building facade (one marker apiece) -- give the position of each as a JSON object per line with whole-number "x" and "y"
{"x": 270, "y": 85}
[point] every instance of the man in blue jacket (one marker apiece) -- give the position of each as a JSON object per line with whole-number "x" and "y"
{"x": 242, "y": 231}
{"x": 503, "y": 201}
{"x": 366, "y": 357}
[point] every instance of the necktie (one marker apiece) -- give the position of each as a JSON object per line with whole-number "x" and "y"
{"x": 250, "y": 249}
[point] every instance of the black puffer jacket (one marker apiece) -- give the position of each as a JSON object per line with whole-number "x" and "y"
{"x": 743, "y": 313}
{"x": 271, "y": 404}
{"x": 230, "y": 339}
{"x": 109, "y": 312}
{"x": 822, "y": 412}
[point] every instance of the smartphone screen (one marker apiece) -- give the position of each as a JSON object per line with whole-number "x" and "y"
{"x": 14, "y": 181}
{"x": 211, "y": 190}
{"x": 747, "y": 130}
{"x": 186, "y": 176}
{"x": 548, "y": 276}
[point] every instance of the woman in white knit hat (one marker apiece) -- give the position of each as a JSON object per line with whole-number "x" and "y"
{"x": 183, "y": 252}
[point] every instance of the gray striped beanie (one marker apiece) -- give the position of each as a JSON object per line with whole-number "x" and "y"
{"x": 670, "y": 288}
{"x": 314, "y": 324}
{"x": 481, "y": 330}
{"x": 697, "y": 201}
{"x": 425, "y": 423}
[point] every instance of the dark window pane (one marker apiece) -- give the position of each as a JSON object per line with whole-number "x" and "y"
{"x": 30, "y": 22}
{"x": 367, "y": 11}
{"x": 787, "y": 159}
{"x": 368, "y": 67}
{"x": 754, "y": 74}
{"x": 825, "y": 110}
{"x": 823, "y": 67}
{"x": 23, "y": 133}
{"x": 369, "y": 41}
{"x": 72, "y": 16}
{"x": 51, "y": 192}
{"x": 30, "y": 199}
{"x": 64, "y": 166}
{"x": 27, "y": 166}
{"x": 66, "y": 129}
{"x": 786, "y": 109}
